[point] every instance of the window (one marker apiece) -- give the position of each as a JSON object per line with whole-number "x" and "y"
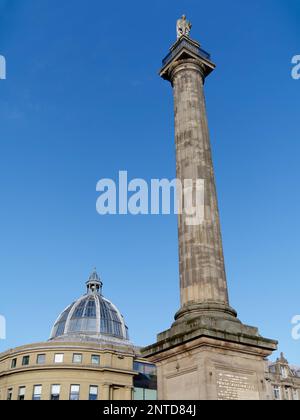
{"x": 74, "y": 392}
{"x": 13, "y": 363}
{"x": 58, "y": 358}
{"x": 55, "y": 392}
{"x": 37, "y": 392}
{"x": 41, "y": 359}
{"x": 277, "y": 394}
{"x": 59, "y": 327}
{"x": 22, "y": 391}
{"x": 93, "y": 395}
{"x": 25, "y": 361}
{"x": 150, "y": 394}
{"x": 138, "y": 394}
{"x": 90, "y": 310}
{"x": 144, "y": 394}
{"x": 283, "y": 372}
{"x": 9, "y": 394}
{"x": 110, "y": 320}
{"x": 77, "y": 358}
{"x": 95, "y": 359}
{"x": 145, "y": 383}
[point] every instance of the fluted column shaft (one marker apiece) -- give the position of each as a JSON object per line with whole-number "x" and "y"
{"x": 202, "y": 271}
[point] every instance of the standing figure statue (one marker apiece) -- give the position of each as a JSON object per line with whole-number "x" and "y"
{"x": 183, "y": 27}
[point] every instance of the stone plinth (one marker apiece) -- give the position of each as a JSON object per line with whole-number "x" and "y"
{"x": 209, "y": 358}
{"x": 211, "y": 365}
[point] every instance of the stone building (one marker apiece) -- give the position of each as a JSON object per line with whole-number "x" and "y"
{"x": 283, "y": 380}
{"x": 88, "y": 357}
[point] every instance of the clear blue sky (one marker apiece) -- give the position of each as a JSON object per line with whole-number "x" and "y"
{"x": 83, "y": 100}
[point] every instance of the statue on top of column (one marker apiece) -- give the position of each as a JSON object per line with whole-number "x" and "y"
{"x": 183, "y": 27}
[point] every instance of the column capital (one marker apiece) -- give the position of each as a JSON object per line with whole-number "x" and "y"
{"x": 187, "y": 64}
{"x": 183, "y": 51}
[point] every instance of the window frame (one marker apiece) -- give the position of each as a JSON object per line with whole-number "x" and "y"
{"x": 80, "y": 356}
{"x": 52, "y": 394}
{"x": 21, "y": 394}
{"x": 37, "y": 359}
{"x": 277, "y": 392}
{"x": 284, "y": 372}
{"x": 9, "y": 394}
{"x": 34, "y": 395}
{"x": 56, "y": 355}
{"x": 26, "y": 360}
{"x": 98, "y": 357}
{"x": 74, "y": 393}
{"x": 95, "y": 395}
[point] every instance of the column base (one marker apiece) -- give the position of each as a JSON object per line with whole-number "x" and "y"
{"x": 209, "y": 315}
{"x": 212, "y": 308}
{"x": 209, "y": 354}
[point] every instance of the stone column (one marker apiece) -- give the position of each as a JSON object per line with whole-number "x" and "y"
{"x": 105, "y": 392}
{"x": 202, "y": 271}
{"x": 207, "y": 342}
{"x": 203, "y": 285}
{"x": 128, "y": 393}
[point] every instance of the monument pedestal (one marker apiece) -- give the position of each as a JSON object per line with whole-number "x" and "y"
{"x": 209, "y": 358}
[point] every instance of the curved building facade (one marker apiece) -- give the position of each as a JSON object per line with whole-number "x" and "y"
{"x": 88, "y": 357}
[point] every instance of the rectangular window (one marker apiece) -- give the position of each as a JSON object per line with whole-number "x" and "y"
{"x": 13, "y": 363}
{"x": 95, "y": 359}
{"x": 138, "y": 394}
{"x": 145, "y": 380}
{"x": 55, "y": 392}
{"x": 277, "y": 395}
{"x": 150, "y": 394}
{"x": 22, "y": 391}
{"x": 9, "y": 394}
{"x": 59, "y": 358}
{"x": 25, "y": 361}
{"x": 37, "y": 392}
{"x": 41, "y": 359}
{"x": 283, "y": 372}
{"x": 139, "y": 367}
{"x": 93, "y": 395}
{"x": 74, "y": 392}
{"x": 77, "y": 358}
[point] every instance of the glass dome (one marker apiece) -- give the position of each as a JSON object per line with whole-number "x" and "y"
{"x": 91, "y": 316}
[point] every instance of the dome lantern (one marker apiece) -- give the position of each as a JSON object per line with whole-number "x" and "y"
{"x": 94, "y": 284}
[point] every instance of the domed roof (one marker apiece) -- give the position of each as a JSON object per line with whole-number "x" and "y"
{"x": 91, "y": 317}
